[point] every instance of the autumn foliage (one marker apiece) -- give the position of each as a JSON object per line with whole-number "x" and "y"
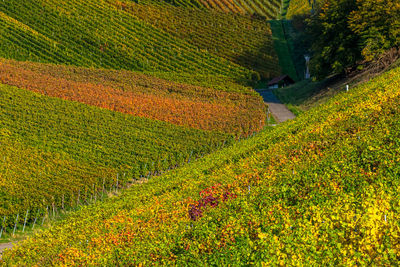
{"x": 320, "y": 189}
{"x": 141, "y": 95}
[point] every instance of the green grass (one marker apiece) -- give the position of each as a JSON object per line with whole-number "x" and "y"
{"x": 261, "y": 84}
{"x": 307, "y": 94}
{"x": 296, "y": 96}
{"x": 284, "y": 48}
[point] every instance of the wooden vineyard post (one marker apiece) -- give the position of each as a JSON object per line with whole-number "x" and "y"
{"x": 34, "y": 222}
{"x": 190, "y": 156}
{"x": 94, "y": 193}
{"x": 15, "y": 226}
{"x": 26, "y": 217}
{"x": 91, "y": 195}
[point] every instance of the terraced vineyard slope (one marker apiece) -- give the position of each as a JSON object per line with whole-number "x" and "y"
{"x": 150, "y": 36}
{"x": 239, "y": 113}
{"x": 267, "y": 8}
{"x": 317, "y": 190}
{"x": 97, "y": 94}
{"x": 65, "y": 32}
{"x": 300, "y": 7}
{"x": 55, "y": 152}
{"x": 240, "y": 39}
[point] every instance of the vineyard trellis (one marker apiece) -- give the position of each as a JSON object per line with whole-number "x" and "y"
{"x": 11, "y": 224}
{"x": 105, "y": 37}
{"x": 267, "y": 8}
{"x": 241, "y": 39}
{"x": 142, "y": 95}
{"x": 71, "y": 152}
{"x": 328, "y": 179}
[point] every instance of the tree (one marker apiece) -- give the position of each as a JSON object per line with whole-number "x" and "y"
{"x": 334, "y": 46}
{"x": 377, "y": 22}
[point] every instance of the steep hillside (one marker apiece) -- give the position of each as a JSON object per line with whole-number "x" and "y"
{"x": 97, "y": 94}
{"x": 149, "y": 36}
{"x": 284, "y": 47}
{"x": 270, "y": 9}
{"x": 57, "y": 153}
{"x": 94, "y": 33}
{"x": 241, "y": 39}
{"x": 299, "y": 7}
{"x": 319, "y": 190}
{"x": 238, "y": 112}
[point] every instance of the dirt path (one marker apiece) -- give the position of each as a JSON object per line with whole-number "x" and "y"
{"x": 280, "y": 112}
{"x": 3, "y": 246}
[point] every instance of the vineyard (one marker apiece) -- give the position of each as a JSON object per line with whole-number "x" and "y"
{"x": 317, "y": 190}
{"x": 149, "y": 36}
{"x": 297, "y": 7}
{"x": 64, "y": 32}
{"x": 57, "y": 152}
{"x": 241, "y": 39}
{"x": 93, "y": 101}
{"x": 239, "y": 113}
{"x": 268, "y": 8}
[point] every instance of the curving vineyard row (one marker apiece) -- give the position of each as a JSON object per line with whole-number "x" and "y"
{"x": 267, "y": 8}
{"x": 56, "y": 152}
{"x": 60, "y": 31}
{"x": 185, "y": 3}
{"x": 297, "y": 7}
{"x": 321, "y": 189}
{"x": 141, "y": 95}
{"x": 243, "y": 40}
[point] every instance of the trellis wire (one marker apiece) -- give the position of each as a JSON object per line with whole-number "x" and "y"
{"x": 52, "y": 208}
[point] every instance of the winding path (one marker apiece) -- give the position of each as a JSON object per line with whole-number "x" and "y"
{"x": 280, "y": 112}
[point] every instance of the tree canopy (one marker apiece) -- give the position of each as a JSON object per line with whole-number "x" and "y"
{"x": 345, "y": 32}
{"x": 377, "y": 22}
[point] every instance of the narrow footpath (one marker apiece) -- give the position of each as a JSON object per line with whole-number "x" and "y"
{"x": 3, "y": 246}
{"x": 279, "y": 111}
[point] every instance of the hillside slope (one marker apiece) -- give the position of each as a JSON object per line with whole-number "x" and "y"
{"x": 321, "y": 189}
{"x": 65, "y": 32}
{"x": 239, "y": 111}
{"x": 149, "y": 36}
{"x": 57, "y": 152}
{"x": 268, "y": 8}
{"x": 240, "y": 39}
{"x": 297, "y": 7}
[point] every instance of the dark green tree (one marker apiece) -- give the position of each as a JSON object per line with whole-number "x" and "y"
{"x": 377, "y": 22}
{"x": 334, "y": 45}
